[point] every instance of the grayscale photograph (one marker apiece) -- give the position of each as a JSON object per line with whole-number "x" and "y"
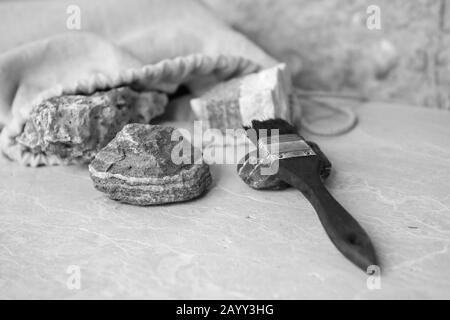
{"x": 224, "y": 154}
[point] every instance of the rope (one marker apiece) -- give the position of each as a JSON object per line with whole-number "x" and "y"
{"x": 309, "y": 97}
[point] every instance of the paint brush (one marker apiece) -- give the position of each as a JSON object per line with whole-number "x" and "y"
{"x": 300, "y": 164}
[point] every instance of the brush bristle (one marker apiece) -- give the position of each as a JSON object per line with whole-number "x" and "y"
{"x": 283, "y": 126}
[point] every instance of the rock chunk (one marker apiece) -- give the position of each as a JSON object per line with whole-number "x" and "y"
{"x": 76, "y": 127}
{"x": 234, "y": 103}
{"x": 249, "y": 170}
{"x": 137, "y": 167}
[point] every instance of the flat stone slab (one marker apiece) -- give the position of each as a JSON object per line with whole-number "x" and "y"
{"x": 391, "y": 173}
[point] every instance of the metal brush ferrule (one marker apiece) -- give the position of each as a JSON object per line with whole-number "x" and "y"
{"x": 283, "y": 146}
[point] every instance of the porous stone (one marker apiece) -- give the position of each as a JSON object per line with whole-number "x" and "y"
{"x": 138, "y": 167}
{"x": 76, "y": 127}
{"x": 236, "y": 102}
{"x": 249, "y": 170}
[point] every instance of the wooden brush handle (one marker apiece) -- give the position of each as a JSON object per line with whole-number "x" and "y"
{"x": 343, "y": 230}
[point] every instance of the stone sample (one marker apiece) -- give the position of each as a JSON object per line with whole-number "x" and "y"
{"x": 138, "y": 167}
{"x": 234, "y": 103}
{"x": 249, "y": 170}
{"x": 76, "y": 127}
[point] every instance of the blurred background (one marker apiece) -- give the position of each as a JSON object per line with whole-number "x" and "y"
{"x": 329, "y": 46}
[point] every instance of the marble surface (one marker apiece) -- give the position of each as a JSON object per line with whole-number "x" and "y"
{"x": 392, "y": 173}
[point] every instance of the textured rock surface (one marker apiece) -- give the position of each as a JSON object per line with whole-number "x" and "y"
{"x": 137, "y": 167}
{"x": 236, "y": 242}
{"x": 76, "y": 127}
{"x": 408, "y": 59}
{"x": 250, "y": 171}
{"x": 234, "y": 103}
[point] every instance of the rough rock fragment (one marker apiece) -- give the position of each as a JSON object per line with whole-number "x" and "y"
{"x": 76, "y": 127}
{"x": 234, "y": 103}
{"x": 138, "y": 167}
{"x": 249, "y": 170}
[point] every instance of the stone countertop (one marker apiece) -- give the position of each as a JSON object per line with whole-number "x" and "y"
{"x": 391, "y": 172}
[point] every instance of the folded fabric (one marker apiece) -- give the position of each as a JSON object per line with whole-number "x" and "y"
{"x": 65, "y": 70}
{"x": 150, "y": 30}
{"x": 147, "y": 45}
